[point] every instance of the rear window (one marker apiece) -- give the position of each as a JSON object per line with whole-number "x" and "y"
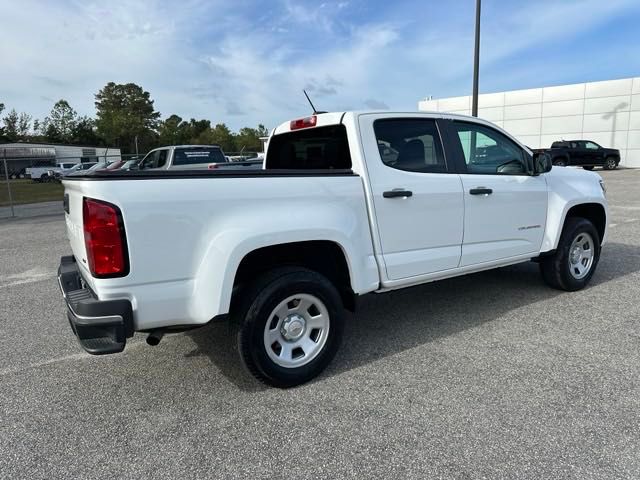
{"x": 312, "y": 148}
{"x": 197, "y": 155}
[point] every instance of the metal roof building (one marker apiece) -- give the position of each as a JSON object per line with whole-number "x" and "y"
{"x": 61, "y": 153}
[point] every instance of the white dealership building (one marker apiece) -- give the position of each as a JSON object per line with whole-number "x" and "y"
{"x": 606, "y": 112}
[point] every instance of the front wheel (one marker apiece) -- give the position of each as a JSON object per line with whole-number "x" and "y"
{"x": 291, "y": 326}
{"x": 560, "y": 162}
{"x": 610, "y": 163}
{"x": 572, "y": 265}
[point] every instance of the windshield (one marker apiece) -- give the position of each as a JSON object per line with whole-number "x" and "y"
{"x": 100, "y": 165}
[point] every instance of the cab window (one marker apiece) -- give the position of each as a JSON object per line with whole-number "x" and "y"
{"x": 152, "y": 160}
{"x": 410, "y": 144}
{"x": 487, "y": 151}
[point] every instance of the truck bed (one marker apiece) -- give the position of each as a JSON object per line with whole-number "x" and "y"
{"x": 181, "y": 235}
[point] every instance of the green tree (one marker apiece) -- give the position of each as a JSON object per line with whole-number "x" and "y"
{"x": 218, "y": 135}
{"x": 84, "y": 132}
{"x": 124, "y": 112}
{"x": 249, "y": 138}
{"x": 10, "y": 122}
{"x": 24, "y": 126}
{"x": 173, "y": 131}
{"x": 59, "y": 125}
{"x": 2, "y": 137}
{"x": 196, "y": 127}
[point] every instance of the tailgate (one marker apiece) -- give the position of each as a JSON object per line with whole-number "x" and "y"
{"x": 73, "y": 196}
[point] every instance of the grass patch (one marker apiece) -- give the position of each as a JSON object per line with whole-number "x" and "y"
{"x": 28, "y": 191}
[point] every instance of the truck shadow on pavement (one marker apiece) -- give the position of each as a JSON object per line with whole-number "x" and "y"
{"x": 390, "y": 323}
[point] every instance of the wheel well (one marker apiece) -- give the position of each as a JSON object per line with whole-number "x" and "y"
{"x": 322, "y": 256}
{"x": 594, "y": 212}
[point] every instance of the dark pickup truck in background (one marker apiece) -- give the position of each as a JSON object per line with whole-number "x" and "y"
{"x": 582, "y": 153}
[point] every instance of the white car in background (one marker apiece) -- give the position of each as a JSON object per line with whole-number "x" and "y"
{"x": 48, "y": 173}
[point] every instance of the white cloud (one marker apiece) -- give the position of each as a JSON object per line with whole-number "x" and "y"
{"x": 247, "y": 63}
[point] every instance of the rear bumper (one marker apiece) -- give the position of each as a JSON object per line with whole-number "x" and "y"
{"x": 101, "y": 326}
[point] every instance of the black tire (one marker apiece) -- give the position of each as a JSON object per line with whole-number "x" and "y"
{"x": 556, "y": 270}
{"x": 590, "y": 167}
{"x": 610, "y": 163}
{"x": 255, "y": 310}
{"x": 560, "y": 162}
{"x": 44, "y": 178}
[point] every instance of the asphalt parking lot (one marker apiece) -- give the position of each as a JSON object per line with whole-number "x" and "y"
{"x": 492, "y": 375}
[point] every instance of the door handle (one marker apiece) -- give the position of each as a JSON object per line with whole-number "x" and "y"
{"x": 397, "y": 193}
{"x": 481, "y": 191}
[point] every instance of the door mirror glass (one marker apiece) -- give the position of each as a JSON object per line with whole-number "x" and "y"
{"x": 541, "y": 162}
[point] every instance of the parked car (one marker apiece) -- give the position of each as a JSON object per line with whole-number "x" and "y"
{"x": 182, "y": 157}
{"x": 130, "y": 165}
{"x": 100, "y": 165}
{"x": 78, "y": 167}
{"x": 582, "y": 153}
{"x": 284, "y": 250}
{"x": 48, "y": 173}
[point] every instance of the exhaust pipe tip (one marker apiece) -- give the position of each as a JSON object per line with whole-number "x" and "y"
{"x": 154, "y": 337}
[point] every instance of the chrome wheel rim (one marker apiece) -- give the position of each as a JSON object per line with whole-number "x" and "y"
{"x": 581, "y": 255}
{"x": 297, "y": 330}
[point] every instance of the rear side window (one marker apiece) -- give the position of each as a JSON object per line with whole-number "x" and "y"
{"x": 410, "y": 144}
{"x": 312, "y": 148}
{"x": 198, "y": 155}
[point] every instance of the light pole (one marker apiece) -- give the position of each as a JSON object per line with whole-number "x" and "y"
{"x": 476, "y": 63}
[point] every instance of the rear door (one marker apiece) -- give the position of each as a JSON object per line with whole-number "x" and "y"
{"x": 505, "y": 205}
{"x": 417, "y": 198}
{"x": 577, "y": 153}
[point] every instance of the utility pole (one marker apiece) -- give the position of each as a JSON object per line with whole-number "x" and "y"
{"x": 476, "y": 63}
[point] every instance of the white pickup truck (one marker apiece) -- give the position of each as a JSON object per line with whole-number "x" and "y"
{"x": 348, "y": 203}
{"x": 46, "y": 174}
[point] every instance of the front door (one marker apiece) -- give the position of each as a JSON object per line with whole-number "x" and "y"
{"x": 416, "y": 198}
{"x": 505, "y": 205}
{"x": 592, "y": 154}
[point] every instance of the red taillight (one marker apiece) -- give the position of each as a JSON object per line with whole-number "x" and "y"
{"x": 104, "y": 239}
{"x": 303, "y": 123}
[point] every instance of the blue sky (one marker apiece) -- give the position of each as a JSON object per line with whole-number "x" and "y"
{"x": 245, "y": 62}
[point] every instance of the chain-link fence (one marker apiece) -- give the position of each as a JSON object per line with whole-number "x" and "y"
{"x": 30, "y": 176}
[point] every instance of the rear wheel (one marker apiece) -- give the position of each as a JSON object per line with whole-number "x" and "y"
{"x": 291, "y": 325}
{"x": 572, "y": 265}
{"x": 610, "y": 163}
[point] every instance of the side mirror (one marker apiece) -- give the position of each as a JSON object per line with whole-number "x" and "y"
{"x": 541, "y": 163}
